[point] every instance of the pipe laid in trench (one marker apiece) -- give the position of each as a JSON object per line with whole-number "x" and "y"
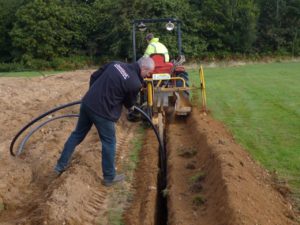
{"x": 163, "y": 166}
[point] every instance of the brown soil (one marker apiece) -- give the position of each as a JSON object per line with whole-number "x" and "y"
{"x": 218, "y": 183}
{"x": 143, "y": 208}
{"x": 28, "y": 195}
{"x": 211, "y": 179}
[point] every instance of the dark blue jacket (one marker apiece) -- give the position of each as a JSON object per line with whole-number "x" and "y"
{"x": 113, "y": 85}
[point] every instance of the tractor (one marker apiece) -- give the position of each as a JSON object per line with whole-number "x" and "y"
{"x": 167, "y": 89}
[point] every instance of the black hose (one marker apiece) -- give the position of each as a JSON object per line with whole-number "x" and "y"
{"x": 161, "y": 146}
{"x": 20, "y": 149}
{"x": 36, "y": 119}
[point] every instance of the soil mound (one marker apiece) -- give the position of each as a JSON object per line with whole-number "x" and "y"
{"x": 211, "y": 180}
{"x": 215, "y": 181}
{"x": 28, "y": 195}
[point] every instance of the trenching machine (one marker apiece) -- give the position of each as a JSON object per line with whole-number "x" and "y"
{"x": 167, "y": 89}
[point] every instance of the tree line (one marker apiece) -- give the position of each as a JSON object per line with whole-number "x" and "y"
{"x": 51, "y": 30}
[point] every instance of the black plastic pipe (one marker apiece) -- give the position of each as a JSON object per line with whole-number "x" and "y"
{"x": 20, "y": 149}
{"x": 161, "y": 146}
{"x": 11, "y": 148}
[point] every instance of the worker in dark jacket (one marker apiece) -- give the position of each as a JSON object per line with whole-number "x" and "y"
{"x": 112, "y": 86}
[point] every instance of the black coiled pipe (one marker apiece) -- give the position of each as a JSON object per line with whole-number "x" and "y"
{"x": 161, "y": 146}
{"x": 11, "y": 148}
{"x": 26, "y": 138}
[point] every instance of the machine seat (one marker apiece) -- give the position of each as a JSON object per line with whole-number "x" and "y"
{"x": 160, "y": 65}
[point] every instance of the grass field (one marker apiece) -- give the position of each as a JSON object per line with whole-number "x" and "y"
{"x": 260, "y": 104}
{"x": 28, "y": 73}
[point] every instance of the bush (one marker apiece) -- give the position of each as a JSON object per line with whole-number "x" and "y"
{"x": 71, "y": 63}
{"x": 38, "y": 64}
{"x": 66, "y": 63}
{"x": 12, "y": 67}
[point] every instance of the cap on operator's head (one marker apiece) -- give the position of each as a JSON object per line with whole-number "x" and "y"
{"x": 149, "y": 36}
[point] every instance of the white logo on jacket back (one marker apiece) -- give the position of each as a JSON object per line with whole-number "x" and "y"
{"x": 122, "y": 71}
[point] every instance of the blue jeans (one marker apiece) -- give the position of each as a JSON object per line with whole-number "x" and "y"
{"x": 106, "y": 131}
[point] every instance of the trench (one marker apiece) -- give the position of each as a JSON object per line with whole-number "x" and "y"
{"x": 162, "y": 203}
{"x": 209, "y": 180}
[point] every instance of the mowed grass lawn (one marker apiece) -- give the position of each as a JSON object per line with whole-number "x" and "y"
{"x": 28, "y": 73}
{"x": 260, "y": 104}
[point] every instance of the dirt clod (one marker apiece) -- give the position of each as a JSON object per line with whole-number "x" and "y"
{"x": 198, "y": 200}
{"x": 187, "y": 153}
{"x": 190, "y": 166}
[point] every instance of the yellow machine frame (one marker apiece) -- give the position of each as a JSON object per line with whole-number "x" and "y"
{"x": 151, "y": 87}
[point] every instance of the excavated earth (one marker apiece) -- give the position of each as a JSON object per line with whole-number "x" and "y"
{"x": 211, "y": 180}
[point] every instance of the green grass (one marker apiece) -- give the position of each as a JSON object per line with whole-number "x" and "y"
{"x": 198, "y": 200}
{"x": 115, "y": 216}
{"x": 260, "y": 104}
{"x": 2, "y": 207}
{"x": 123, "y": 193}
{"x": 136, "y": 143}
{"x": 199, "y": 176}
{"x": 28, "y": 73}
{"x": 165, "y": 192}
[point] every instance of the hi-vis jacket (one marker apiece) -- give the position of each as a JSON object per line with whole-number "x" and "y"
{"x": 156, "y": 47}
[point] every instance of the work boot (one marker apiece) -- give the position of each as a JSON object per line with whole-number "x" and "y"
{"x": 118, "y": 178}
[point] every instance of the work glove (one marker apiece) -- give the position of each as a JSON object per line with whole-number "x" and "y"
{"x": 133, "y": 115}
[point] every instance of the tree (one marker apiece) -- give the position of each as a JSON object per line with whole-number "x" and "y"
{"x": 106, "y": 34}
{"x": 44, "y": 29}
{"x": 278, "y": 26}
{"x": 228, "y": 25}
{"x": 193, "y": 43}
{"x": 48, "y": 29}
{"x": 7, "y": 19}
{"x": 291, "y": 26}
{"x": 114, "y": 35}
{"x": 269, "y": 38}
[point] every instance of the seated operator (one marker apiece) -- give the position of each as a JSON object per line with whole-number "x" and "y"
{"x": 154, "y": 46}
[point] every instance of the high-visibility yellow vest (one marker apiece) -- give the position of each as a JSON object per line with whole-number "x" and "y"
{"x": 156, "y": 47}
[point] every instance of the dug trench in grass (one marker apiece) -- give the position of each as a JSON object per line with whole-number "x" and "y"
{"x": 149, "y": 202}
{"x": 161, "y": 204}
